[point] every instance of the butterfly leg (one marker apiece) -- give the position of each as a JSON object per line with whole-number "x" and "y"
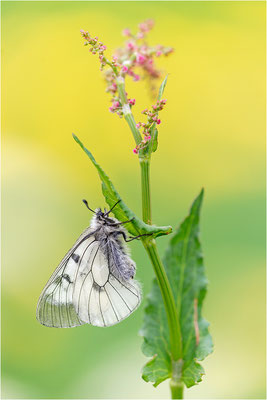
{"x": 137, "y": 237}
{"x": 131, "y": 237}
{"x": 121, "y": 223}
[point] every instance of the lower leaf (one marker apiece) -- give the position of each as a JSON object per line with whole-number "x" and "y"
{"x": 184, "y": 266}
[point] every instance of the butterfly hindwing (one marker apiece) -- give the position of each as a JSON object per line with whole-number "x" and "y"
{"x": 89, "y": 289}
{"x": 100, "y": 298}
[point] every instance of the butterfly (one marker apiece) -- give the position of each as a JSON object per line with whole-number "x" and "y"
{"x": 94, "y": 283}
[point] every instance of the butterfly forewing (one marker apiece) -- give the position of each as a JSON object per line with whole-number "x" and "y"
{"x": 55, "y": 307}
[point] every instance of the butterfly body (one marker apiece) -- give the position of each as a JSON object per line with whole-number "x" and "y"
{"x": 94, "y": 282}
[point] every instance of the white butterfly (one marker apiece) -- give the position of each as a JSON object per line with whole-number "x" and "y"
{"x": 94, "y": 282}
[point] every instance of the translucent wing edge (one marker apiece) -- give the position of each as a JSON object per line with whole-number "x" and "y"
{"x": 43, "y": 297}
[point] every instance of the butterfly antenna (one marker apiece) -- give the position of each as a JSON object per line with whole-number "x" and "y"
{"x": 107, "y": 213}
{"x": 85, "y": 202}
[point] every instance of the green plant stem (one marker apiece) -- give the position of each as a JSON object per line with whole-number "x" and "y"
{"x": 176, "y": 384}
{"x": 127, "y": 111}
{"x": 175, "y": 334}
{"x": 164, "y": 284}
{"x": 146, "y": 203}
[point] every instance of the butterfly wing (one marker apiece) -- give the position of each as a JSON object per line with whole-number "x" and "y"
{"x": 55, "y": 306}
{"x": 100, "y": 298}
{"x": 85, "y": 289}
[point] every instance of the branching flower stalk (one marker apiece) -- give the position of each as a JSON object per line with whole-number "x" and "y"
{"x": 136, "y": 60}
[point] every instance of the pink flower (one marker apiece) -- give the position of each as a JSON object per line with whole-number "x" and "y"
{"x": 136, "y": 55}
{"x": 130, "y": 46}
{"x": 146, "y": 25}
{"x": 135, "y": 151}
{"x": 126, "y": 32}
{"x": 140, "y": 59}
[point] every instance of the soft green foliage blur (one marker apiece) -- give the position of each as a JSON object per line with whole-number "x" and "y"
{"x": 183, "y": 260}
{"x": 212, "y": 135}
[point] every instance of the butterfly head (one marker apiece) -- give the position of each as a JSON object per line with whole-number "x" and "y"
{"x": 103, "y": 218}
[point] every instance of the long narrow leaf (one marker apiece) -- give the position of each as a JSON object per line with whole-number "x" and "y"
{"x": 121, "y": 211}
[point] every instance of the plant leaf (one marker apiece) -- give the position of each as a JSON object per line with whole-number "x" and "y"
{"x": 121, "y": 211}
{"x": 153, "y": 130}
{"x": 155, "y": 140}
{"x": 184, "y": 266}
{"x": 162, "y": 87}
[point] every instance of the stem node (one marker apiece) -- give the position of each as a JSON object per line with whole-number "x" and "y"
{"x": 177, "y": 389}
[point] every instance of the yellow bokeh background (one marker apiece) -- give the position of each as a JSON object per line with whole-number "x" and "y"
{"x": 212, "y": 135}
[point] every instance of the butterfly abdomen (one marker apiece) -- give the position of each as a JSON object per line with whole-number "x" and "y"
{"x": 121, "y": 264}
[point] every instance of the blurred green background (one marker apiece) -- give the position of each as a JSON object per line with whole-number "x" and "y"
{"x": 212, "y": 135}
